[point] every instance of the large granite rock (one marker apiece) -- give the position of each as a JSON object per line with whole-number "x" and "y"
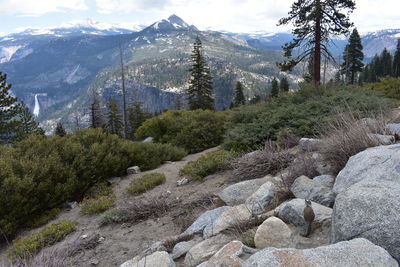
{"x": 205, "y": 250}
{"x": 207, "y": 218}
{"x": 368, "y": 200}
{"x": 376, "y": 163}
{"x": 394, "y": 128}
{"x": 357, "y": 252}
{"x": 228, "y": 218}
{"x": 237, "y": 194}
{"x": 306, "y": 188}
{"x": 273, "y": 232}
{"x": 292, "y": 212}
{"x": 183, "y": 247}
{"x": 260, "y": 201}
{"x": 326, "y": 180}
{"x": 157, "y": 259}
{"x": 133, "y": 170}
{"x": 231, "y": 255}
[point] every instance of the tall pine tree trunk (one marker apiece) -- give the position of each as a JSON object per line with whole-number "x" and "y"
{"x": 317, "y": 48}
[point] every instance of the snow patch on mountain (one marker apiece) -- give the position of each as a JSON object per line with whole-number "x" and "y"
{"x": 7, "y": 52}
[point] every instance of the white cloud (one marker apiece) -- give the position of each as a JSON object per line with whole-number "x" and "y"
{"x": 39, "y": 7}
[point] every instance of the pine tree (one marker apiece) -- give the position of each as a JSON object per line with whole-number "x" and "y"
{"x": 96, "y": 116}
{"x": 386, "y": 63}
{"x": 314, "y": 22}
{"x": 200, "y": 85}
{"x": 60, "y": 130}
{"x": 114, "y": 123}
{"x": 256, "y": 99}
{"x": 28, "y": 124}
{"x": 284, "y": 85}
{"x": 274, "y": 88}
{"x": 9, "y": 109}
{"x": 239, "y": 95}
{"x": 353, "y": 57}
{"x": 396, "y": 60}
{"x": 136, "y": 116}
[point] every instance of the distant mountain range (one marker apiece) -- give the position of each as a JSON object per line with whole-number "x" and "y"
{"x": 57, "y": 68}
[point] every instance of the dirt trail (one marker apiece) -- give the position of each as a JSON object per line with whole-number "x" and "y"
{"x": 124, "y": 241}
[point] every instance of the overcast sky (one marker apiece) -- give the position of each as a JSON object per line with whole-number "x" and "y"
{"x": 230, "y": 15}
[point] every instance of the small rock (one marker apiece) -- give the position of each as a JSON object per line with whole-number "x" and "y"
{"x": 94, "y": 262}
{"x": 84, "y": 236}
{"x": 260, "y": 201}
{"x": 394, "y": 128}
{"x": 310, "y": 144}
{"x": 157, "y": 259}
{"x": 148, "y": 140}
{"x": 114, "y": 180}
{"x": 306, "y": 188}
{"x": 205, "y": 219}
{"x": 273, "y": 232}
{"x": 72, "y": 205}
{"x": 101, "y": 239}
{"x": 230, "y": 255}
{"x": 382, "y": 139}
{"x": 237, "y": 194}
{"x": 326, "y": 180}
{"x": 133, "y": 170}
{"x": 205, "y": 250}
{"x": 182, "y": 248}
{"x": 228, "y": 218}
{"x": 182, "y": 181}
{"x": 292, "y": 212}
{"x": 157, "y": 246}
{"x": 357, "y": 252}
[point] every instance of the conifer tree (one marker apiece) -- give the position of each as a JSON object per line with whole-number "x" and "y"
{"x": 274, "y": 88}
{"x": 96, "y": 116}
{"x": 9, "y": 109}
{"x": 136, "y": 116}
{"x": 114, "y": 123}
{"x": 60, "y": 130}
{"x": 239, "y": 95}
{"x": 28, "y": 124}
{"x": 284, "y": 85}
{"x": 353, "y": 57}
{"x": 200, "y": 84}
{"x": 314, "y": 22}
{"x": 396, "y": 60}
{"x": 386, "y": 63}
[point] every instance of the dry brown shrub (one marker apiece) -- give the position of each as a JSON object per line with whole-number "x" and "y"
{"x": 146, "y": 207}
{"x": 348, "y": 134}
{"x": 268, "y": 160}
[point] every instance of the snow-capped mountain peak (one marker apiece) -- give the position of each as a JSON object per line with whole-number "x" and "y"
{"x": 172, "y": 23}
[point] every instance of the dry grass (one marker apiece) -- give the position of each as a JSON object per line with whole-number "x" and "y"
{"x": 147, "y": 207}
{"x": 348, "y": 134}
{"x": 304, "y": 164}
{"x": 268, "y": 160}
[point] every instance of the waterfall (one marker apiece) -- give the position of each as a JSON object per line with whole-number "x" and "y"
{"x": 36, "y": 109}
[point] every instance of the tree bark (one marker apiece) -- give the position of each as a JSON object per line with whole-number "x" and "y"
{"x": 317, "y": 48}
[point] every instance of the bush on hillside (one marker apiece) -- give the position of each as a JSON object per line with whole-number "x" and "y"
{"x": 146, "y": 182}
{"x": 98, "y": 199}
{"x": 207, "y": 164}
{"x": 389, "y": 86}
{"x": 302, "y": 113}
{"x": 194, "y": 130}
{"x": 39, "y": 173}
{"x": 347, "y": 135}
{"x": 26, "y": 247}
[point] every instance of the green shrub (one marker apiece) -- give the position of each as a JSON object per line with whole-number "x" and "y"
{"x": 302, "y": 113}
{"x": 146, "y": 182}
{"x": 39, "y": 173}
{"x": 43, "y": 218}
{"x": 390, "y": 87}
{"x": 26, "y": 247}
{"x": 90, "y": 206}
{"x": 194, "y": 130}
{"x": 114, "y": 216}
{"x": 207, "y": 164}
